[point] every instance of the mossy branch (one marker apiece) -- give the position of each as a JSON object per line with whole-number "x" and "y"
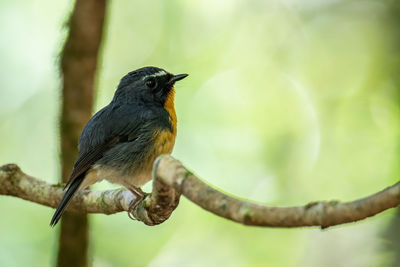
{"x": 171, "y": 179}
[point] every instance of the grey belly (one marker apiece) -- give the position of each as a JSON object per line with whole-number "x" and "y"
{"x": 130, "y": 164}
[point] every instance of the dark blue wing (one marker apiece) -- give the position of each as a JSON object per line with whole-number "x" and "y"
{"x": 108, "y": 127}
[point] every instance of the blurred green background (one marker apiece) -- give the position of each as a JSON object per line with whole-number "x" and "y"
{"x": 287, "y": 102}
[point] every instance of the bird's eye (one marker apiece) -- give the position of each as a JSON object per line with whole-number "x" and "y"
{"x": 151, "y": 83}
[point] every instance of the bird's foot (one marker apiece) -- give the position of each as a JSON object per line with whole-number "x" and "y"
{"x": 140, "y": 195}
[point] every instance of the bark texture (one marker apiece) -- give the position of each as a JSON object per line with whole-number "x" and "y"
{"x": 79, "y": 59}
{"x": 171, "y": 179}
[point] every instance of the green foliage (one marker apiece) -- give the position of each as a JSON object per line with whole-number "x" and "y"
{"x": 287, "y": 102}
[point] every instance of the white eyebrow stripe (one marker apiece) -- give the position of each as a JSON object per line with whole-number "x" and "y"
{"x": 160, "y": 73}
{"x": 157, "y": 74}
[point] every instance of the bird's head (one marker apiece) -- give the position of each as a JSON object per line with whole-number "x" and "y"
{"x": 148, "y": 84}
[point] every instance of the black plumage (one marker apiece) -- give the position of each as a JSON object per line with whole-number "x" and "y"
{"x": 120, "y": 138}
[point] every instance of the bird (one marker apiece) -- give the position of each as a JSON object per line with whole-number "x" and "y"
{"x": 122, "y": 140}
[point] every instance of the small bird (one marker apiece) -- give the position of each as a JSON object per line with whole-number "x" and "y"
{"x": 122, "y": 140}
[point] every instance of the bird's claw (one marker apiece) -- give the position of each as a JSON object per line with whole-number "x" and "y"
{"x": 140, "y": 195}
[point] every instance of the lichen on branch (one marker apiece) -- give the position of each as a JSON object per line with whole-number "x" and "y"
{"x": 171, "y": 180}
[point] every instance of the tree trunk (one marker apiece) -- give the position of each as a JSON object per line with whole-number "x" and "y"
{"x": 79, "y": 59}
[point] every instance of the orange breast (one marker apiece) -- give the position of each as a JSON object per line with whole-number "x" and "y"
{"x": 170, "y": 107}
{"x": 165, "y": 139}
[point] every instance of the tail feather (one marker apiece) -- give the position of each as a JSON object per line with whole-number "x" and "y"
{"x": 65, "y": 200}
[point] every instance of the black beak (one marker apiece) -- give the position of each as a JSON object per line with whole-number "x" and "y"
{"x": 176, "y": 78}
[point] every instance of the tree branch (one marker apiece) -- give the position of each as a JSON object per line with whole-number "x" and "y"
{"x": 14, "y": 182}
{"x": 171, "y": 179}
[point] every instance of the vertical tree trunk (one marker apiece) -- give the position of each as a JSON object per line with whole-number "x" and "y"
{"x": 78, "y": 65}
